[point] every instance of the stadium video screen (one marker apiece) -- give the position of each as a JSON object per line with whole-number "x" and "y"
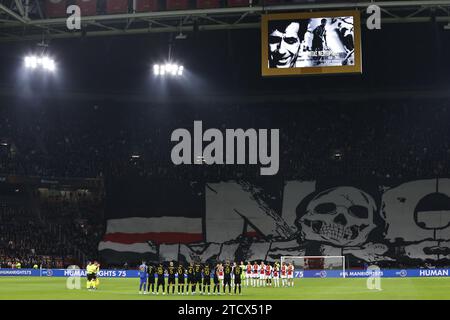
{"x": 311, "y": 43}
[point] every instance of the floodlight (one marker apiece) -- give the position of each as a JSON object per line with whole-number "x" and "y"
{"x": 31, "y": 62}
{"x": 43, "y": 62}
{"x": 156, "y": 69}
{"x": 168, "y": 68}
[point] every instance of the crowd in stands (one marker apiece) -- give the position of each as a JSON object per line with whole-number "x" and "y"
{"x": 381, "y": 139}
{"x": 50, "y": 237}
{"x": 24, "y": 240}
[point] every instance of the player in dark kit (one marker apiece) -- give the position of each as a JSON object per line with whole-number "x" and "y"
{"x": 151, "y": 270}
{"x": 197, "y": 278}
{"x": 227, "y": 277}
{"x": 190, "y": 277}
{"x": 181, "y": 278}
{"x": 206, "y": 278}
{"x": 161, "y": 280}
{"x": 237, "y": 270}
{"x": 216, "y": 280}
{"x": 171, "y": 281}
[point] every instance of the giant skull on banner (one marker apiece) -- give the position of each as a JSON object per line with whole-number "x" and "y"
{"x": 341, "y": 216}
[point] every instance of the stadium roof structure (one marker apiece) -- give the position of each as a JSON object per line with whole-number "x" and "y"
{"x": 24, "y": 20}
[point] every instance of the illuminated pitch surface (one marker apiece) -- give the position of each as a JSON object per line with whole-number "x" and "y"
{"x": 319, "y": 289}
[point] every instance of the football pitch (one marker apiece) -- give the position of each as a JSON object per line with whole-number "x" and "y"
{"x": 40, "y": 288}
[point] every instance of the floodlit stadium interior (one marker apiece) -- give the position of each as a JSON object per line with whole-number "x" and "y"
{"x": 224, "y": 149}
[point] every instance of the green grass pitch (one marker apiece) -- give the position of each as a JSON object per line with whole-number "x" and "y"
{"x": 19, "y": 288}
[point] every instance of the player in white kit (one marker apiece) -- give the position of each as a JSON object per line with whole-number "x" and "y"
{"x": 283, "y": 274}
{"x": 290, "y": 275}
{"x": 268, "y": 274}
{"x": 220, "y": 275}
{"x": 262, "y": 277}
{"x": 248, "y": 273}
{"x": 276, "y": 276}
{"x": 255, "y": 274}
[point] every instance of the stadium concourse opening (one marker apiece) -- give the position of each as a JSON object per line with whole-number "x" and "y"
{"x": 134, "y": 137}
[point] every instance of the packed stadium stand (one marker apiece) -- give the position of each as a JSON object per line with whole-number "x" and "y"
{"x": 394, "y": 139}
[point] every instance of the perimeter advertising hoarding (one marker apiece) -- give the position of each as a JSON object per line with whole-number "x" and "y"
{"x": 383, "y": 273}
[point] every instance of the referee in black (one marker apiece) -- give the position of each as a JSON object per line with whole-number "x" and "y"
{"x": 227, "y": 277}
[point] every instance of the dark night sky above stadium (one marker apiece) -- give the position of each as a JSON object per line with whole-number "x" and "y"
{"x": 400, "y": 55}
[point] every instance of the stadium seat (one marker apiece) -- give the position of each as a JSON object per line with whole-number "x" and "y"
{"x": 238, "y": 3}
{"x": 272, "y": 2}
{"x": 88, "y": 7}
{"x": 55, "y": 8}
{"x": 177, "y": 4}
{"x": 146, "y": 5}
{"x": 116, "y": 6}
{"x": 206, "y": 4}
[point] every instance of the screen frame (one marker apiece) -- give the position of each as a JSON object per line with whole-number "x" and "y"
{"x": 266, "y": 71}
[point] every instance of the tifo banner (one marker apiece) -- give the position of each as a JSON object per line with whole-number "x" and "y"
{"x": 395, "y": 224}
{"x": 387, "y": 273}
{"x": 144, "y": 215}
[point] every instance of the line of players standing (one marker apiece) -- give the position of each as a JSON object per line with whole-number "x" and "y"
{"x": 264, "y": 274}
{"x": 223, "y": 276}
